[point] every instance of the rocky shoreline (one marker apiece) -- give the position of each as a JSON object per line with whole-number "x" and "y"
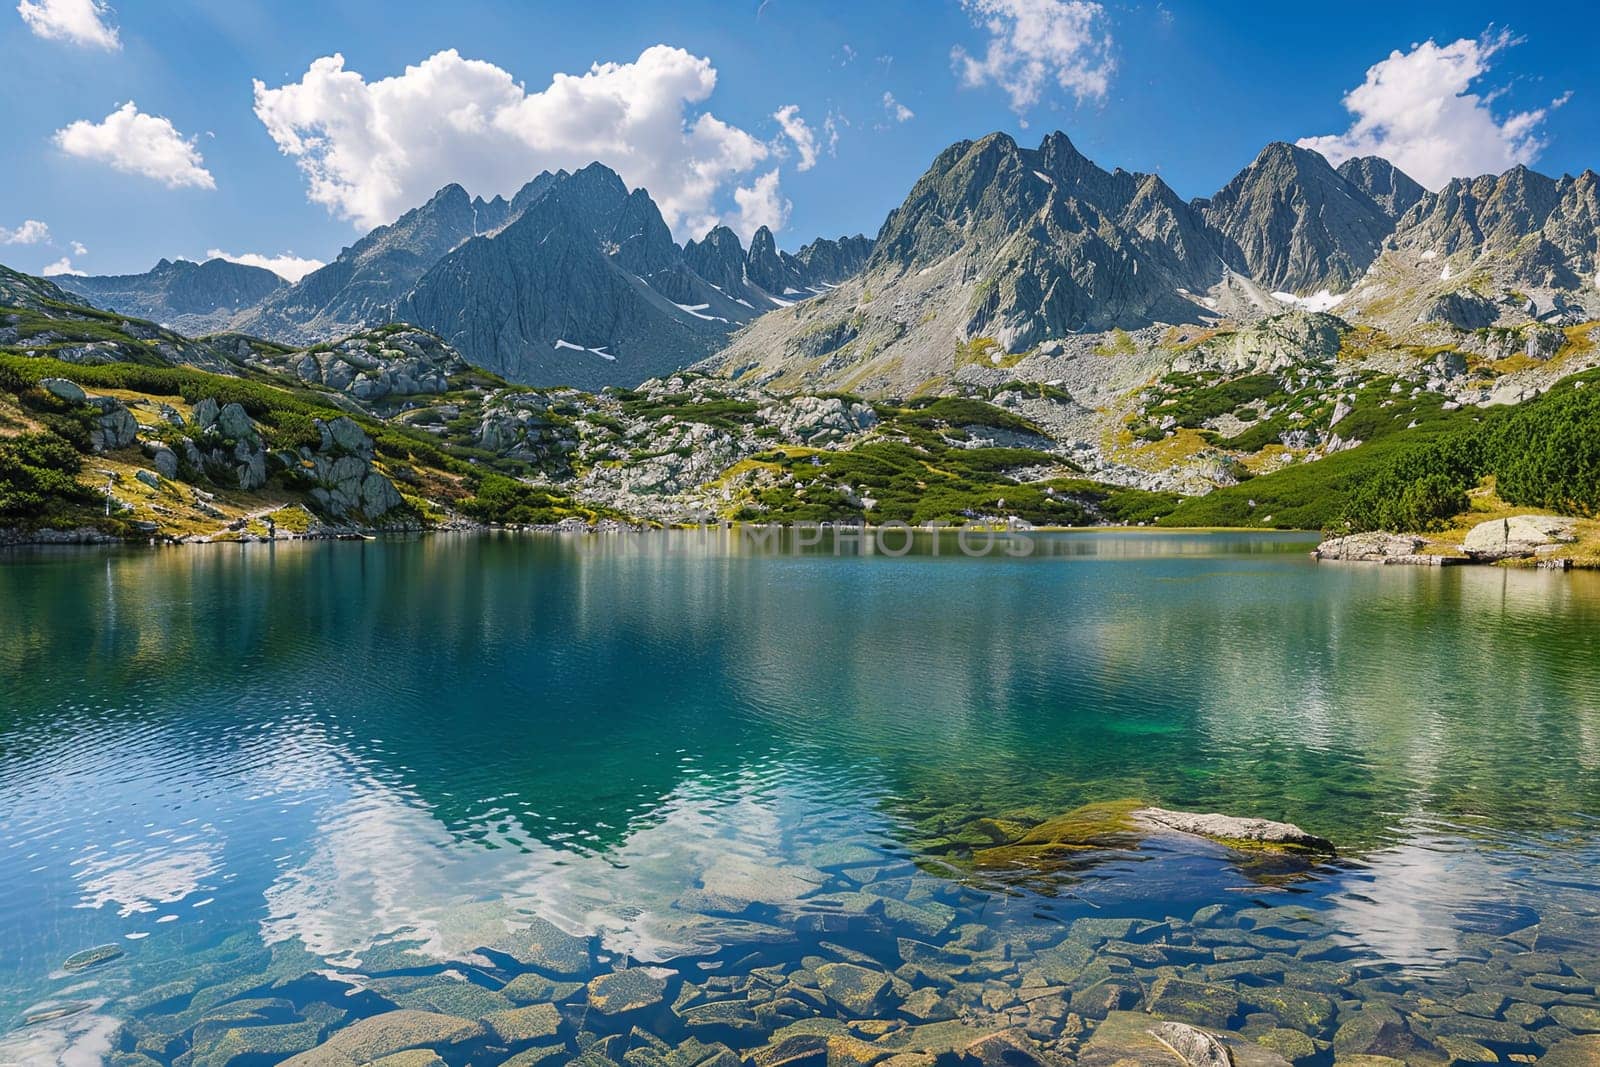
{"x": 1520, "y": 540}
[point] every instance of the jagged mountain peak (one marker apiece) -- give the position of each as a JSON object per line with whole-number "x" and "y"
{"x": 1391, "y": 188}
{"x": 1296, "y": 223}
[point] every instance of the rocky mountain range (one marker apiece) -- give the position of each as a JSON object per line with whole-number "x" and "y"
{"x": 1004, "y": 260}
{"x": 574, "y": 280}
{"x": 192, "y": 297}
{"x": 1001, "y": 260}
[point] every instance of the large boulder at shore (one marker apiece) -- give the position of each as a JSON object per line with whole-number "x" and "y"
{"x": 1373, "y": 547}
{"x": 1232, "y": 830}
{"x": 1518, "y": 536}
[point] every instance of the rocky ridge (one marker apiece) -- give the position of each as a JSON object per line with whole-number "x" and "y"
{"x": 195, "y": 298}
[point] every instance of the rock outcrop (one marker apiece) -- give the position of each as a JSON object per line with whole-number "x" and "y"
{"x": 345, "y": 484}
{"x": 1518, "y": 537}
{"x": 1372, "y": 547}
{"x": 1232, "y": 830}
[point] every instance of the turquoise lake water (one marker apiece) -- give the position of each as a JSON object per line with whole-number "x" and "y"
{"x": 293, "y": 787}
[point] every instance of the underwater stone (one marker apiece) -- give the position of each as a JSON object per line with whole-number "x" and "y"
{"x": 397, "y": 1031}
{"x": 536, "y": 988}
{"x": 92, "y": 957}
{"x": 1193, "y": 1002}
{"x": 632, "y": 990}
{"x": 1194, "y": 1046}
{"x": 547, "y": 947}
{"x": 852, "y": 987}
{"x": 524, "y": 1024}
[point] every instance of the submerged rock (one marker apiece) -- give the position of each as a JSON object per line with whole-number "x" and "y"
{"x": 92, "y": 957}
{"x": 548, "y": 948}
{"x": 859, "y": 990}
{"x": 391, "y": 1032}
{"x": 524, "y": 1024}
{"x": 1193, "y": 1045}
{"x": 632, "y": 990}
{"x": 1231, "y": 830}
{"x": 1091, "y": 827}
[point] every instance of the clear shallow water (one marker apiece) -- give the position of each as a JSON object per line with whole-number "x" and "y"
{"x": 275, "y": 776}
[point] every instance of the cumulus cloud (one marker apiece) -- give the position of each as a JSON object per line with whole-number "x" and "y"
{"x": 61, "y": 266}
{"x": 80, "y": 22}
{"x": 135, "y": 143}
{"x": 78, "y": 249}
{"x": 760, "y": 204}
{"x": 795, "y": 128}
{"x": 371, "y": 150}
{"x": 1033, "y": 43}
{"x": 1418, "y": 110}
{"x": 288, "y": 265}
{"x": 31, "y": 232}
{"x": 897, "y": 111}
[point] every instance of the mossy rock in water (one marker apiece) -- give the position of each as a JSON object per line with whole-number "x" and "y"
{"x": 634, "y": 989}
{"x": 92, "y": 957}
{"x": 1090, "y": 828}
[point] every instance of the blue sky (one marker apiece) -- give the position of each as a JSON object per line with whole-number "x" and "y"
{"x": 1189, "y": 90}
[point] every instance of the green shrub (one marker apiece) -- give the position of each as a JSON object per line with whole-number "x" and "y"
{"x": 38, "y": 473}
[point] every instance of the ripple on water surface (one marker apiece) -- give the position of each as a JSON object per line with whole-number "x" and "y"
{"x": 300, "y": 787}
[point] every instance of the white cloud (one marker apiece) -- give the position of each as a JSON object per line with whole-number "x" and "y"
{"x": 78, "y": 249}
{"x": 897, "y": 111}
{"x": 1417, "y": 110}
{"x": 61, "y": 266}
{"x": 81, "y": 22}
{"x": 830, "y": 131}
{"x": 135, "y": 143}
{"x": 371, "y": 150}
{"x": 795, "y": 128}
{"x": 288, "y": 265}
{"x": 31, "y": 232}
{"x": 760, "y": 204}
{"x": 1035, "y": 42}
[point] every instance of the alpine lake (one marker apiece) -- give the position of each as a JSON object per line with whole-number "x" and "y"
{"x": 691, "y": 799}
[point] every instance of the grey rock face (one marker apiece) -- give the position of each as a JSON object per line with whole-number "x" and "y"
{"x": 1518, "y": 536}
{"x": 1085, "y": 249}
{"x": 1389, "y": 187}
{"x": 1294, "y": 338}
{"x": 114, "y": 428}
{"x": 165, "y": 461}
{"x": 205, "y": 413}
{"x": 233, "y": 422}
{"x": 359, "y": 286}
{"x": 344, "y": 482}
{"x": 1463, "y": 309}
{"x": 584, "y": 288}
{"x": 816, "y": 420}
{"x": 1298, "y": 224}
{"x": 1523, "y": 227}
{"x": 1194, "y": 1046}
